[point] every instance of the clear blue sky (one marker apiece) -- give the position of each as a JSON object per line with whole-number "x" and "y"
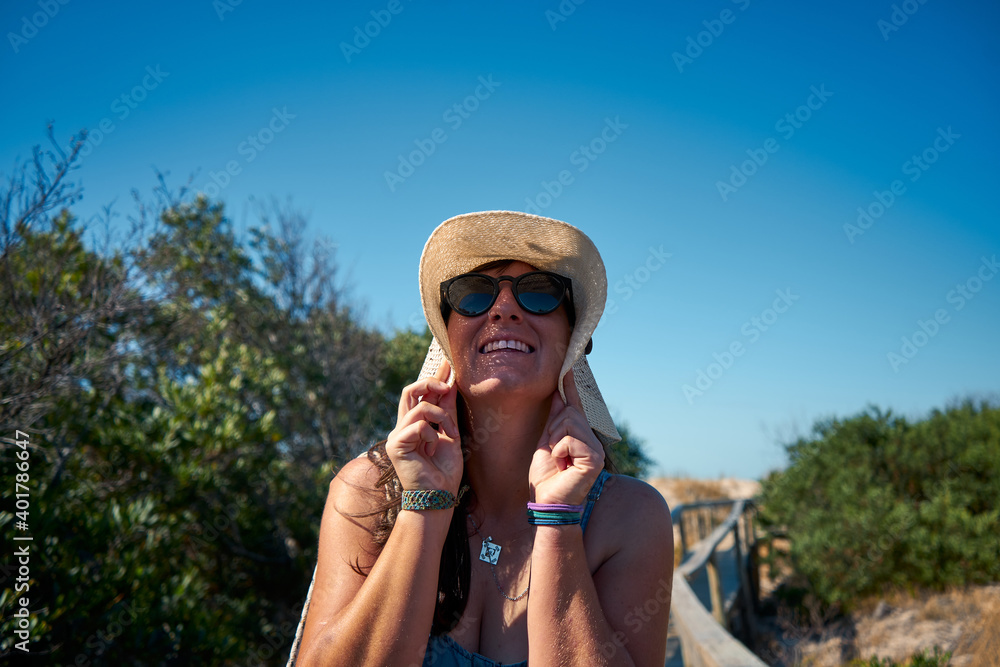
{"x": 834, "y": 102}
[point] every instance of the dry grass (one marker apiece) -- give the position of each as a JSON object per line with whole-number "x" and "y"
{"x": 981, "y": 637}
{"x": 964, "y": 621}
{"x": 679, "y": 490}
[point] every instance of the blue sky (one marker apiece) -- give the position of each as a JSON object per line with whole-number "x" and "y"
{"x": 739, "y": 138}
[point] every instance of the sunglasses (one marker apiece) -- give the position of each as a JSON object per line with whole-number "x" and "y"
{"x": 537, "y": 292}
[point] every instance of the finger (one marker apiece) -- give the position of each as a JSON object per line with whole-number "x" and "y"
{"x": 448, "y": 400}
{"x": 409, "y": 439}
{"x": 443, "y": 371}
{"x": 555, "y": 412}
{"x": 572, "y": 394}
{"x": 576, "y": 452}
{"x": 563, "y": 421}
{"x": 427, "y": 389}
{"x": 573, "y": 425}
{"x": 433, "y": 414}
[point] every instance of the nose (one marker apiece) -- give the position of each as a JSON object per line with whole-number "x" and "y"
{"x": 505, "y": 307}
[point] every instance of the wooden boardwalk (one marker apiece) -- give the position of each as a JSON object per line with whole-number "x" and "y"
{"x": 726, "y": 559}
{"x": 714, "y": 585}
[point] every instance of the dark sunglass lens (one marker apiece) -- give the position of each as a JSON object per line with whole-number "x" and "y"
{"x": 540, "y": 293}
{"x": 471, "y": 295}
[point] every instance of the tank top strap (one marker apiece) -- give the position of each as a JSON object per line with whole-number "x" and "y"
{"x": 595, "y": 493}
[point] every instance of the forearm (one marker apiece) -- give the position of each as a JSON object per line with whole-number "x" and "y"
{"x": 389, "y": 620}
{"x": 566, "y": 625}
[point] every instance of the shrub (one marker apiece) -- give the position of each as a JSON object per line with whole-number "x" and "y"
{"x": 874, "y": 502}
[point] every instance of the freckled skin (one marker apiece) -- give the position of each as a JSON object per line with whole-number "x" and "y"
{"x": 533, "y": 375}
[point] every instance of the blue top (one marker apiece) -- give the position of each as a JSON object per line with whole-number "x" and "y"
{"x": 443, "y": 651}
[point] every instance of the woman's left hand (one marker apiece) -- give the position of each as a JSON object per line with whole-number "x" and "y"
{"x": 569, "y": 456}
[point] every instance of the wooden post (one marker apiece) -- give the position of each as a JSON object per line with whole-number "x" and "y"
{"x": 684, "y": 546}
{"x": 715, "y": 588}
{"x": 748, "y": 596}
{"x": 754, "y": 564}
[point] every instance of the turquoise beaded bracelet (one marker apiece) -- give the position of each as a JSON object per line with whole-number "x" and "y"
{"x": 431, "y": 499}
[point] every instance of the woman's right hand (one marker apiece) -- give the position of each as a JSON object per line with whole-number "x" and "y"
{"x": 426, "y": 457}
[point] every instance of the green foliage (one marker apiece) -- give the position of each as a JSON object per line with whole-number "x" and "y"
{"x": 629, "y": 453}
{"x": 182, "y": 440}
{"x": 874, "y": 503}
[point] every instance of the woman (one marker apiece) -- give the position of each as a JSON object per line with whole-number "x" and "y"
{"x": 487, "y": 529}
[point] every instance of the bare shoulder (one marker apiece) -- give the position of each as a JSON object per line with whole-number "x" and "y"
{"x": 353, "y": 490}
{"x": 629, "y": 499}
{"x": 631, "y": 515}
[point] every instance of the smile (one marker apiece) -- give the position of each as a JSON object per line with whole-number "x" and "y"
{"x": 514, "y": 345}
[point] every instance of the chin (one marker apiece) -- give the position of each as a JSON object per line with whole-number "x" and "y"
{"x": 501, "y": 385}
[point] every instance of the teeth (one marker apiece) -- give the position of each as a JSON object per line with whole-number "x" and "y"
{"x": 506, "y": 345}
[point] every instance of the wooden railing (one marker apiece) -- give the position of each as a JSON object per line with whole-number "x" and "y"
{"x": 705, "y": 637}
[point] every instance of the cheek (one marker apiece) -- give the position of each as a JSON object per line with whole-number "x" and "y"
{"x": 459, "y": 338}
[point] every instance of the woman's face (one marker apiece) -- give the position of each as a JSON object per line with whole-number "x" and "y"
{"x": 535, "y": 347}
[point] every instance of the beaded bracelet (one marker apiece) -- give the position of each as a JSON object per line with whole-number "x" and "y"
{"x": 431, "y": 499}
{"x": 555, "y": 514}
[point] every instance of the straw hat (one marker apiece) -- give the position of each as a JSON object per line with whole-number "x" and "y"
{"x": 462, "y": 243}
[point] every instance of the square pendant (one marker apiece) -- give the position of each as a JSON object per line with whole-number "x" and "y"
{"x": 490, "y": 553}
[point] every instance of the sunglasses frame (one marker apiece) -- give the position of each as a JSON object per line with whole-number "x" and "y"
{"x": 447, "y": 308}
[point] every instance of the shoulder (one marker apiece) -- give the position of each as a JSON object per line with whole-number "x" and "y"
{"x": 625, "y": 496}
{"x": 358, "y": 471}
{"x": 630, "y": 514}
{"x": 354, "y": 488}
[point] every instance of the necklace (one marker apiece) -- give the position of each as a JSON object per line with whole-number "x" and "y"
{"x": 491, "y": 554}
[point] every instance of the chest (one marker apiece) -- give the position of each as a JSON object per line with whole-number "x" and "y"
{"x": 494, "y": 625}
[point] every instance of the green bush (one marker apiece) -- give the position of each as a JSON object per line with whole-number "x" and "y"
{"x": 873, "y": 502}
